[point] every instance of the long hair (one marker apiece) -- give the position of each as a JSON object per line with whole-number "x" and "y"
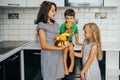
{"x": 95, "y": 31}
{"x": 43, "y": 12}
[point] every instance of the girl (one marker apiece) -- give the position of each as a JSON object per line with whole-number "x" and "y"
{"x": 91, "y": 51}
{"x": 51, "y": 56}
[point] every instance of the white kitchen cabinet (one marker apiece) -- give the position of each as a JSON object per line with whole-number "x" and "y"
{"x": 59, "y": 3}
{"x": 13, "y": 3}
{"x": 112, "y": 65}
{"x": 33, "y": 3}
{"x": 36, "y": 3}
{"x": 111, "y": 3}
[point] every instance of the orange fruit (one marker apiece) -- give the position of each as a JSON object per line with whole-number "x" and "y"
{"x": 69, "y": 24}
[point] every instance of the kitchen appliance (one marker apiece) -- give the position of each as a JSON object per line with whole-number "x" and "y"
{"x": 84, "y": 3}
{"x": 6, "y": 46}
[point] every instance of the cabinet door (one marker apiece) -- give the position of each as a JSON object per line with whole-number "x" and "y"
{"x": 59, "y": 3}
{"x": 111, "y": 3}
{"x": 33, "y": 3}
{"x": 1, "y": 71}
{"x": 36, "y": 3}
{"x": 15, "y": 3}
{"x": 12, "y": 67}
{"x": 32, "y": 65}
{"x": 102, "y": 65}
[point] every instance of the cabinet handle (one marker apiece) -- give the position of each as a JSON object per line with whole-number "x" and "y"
{"x": 14, "y": 58}
{"x": 13, "y": 4}
{"x": 37, "y": 53}
{"x": 85, "y": 4}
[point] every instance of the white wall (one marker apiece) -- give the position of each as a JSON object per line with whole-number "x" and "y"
{"x": 24, "y": 27}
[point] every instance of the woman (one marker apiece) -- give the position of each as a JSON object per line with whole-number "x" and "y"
{"x": 48, "y": 29}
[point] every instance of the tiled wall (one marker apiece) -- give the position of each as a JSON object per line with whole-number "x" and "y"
{"x": 24, "y": 27}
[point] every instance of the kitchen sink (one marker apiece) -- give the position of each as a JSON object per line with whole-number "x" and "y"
{"x": 6, "y": 46}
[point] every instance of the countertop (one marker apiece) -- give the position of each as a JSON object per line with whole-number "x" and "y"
{"x": 12, "y": 52}
{"x": 106, "y": 46}
{"x": 35, "y": 45}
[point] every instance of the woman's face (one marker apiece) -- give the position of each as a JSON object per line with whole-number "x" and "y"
{"x": 52, "y": 12}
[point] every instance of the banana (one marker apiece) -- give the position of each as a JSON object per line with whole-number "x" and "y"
{"x": 64, "y": 34}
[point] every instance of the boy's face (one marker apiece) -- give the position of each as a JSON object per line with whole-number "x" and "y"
{"x": 69, "y": 18}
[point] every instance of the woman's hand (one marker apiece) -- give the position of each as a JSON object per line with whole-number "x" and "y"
{"x": 64, "y": 46}
{"x": 82, "y": 74}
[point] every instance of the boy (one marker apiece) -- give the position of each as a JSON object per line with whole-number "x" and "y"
{"x": 69, "y": 15}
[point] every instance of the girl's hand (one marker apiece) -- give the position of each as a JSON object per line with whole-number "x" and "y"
{"x": 82, "y": 75}
{"x": 79, "y": 44}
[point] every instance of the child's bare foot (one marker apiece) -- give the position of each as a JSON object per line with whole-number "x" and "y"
{"x": 66, "y": 72}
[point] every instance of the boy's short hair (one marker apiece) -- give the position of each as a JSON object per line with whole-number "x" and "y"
{"x": 69, "y": 12}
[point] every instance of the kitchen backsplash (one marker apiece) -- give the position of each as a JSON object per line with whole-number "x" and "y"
{"x": 18, "y": 23}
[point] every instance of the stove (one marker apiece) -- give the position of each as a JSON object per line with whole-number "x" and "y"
{"x": 6, "y": 46}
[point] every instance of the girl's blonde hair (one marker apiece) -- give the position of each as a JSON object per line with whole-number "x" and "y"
{"x": 94, "y": 30}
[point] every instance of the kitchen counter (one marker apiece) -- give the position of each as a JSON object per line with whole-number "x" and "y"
{"x": 34, "y": 45}
{"x": 111, "y": 46}
{"x": 106, "y": 46}
{"x": 111, "y": 49}
{"x": 11, "y": 52}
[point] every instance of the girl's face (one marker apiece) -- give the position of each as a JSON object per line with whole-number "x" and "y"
{"x": 51, "y": 13}
{"x": 87, "y": 33}
{"x": 69, "y": 18}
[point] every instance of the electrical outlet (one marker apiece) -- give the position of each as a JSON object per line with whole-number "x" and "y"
{"x": 100, "y": 15}
{"x": 13, "y": 15}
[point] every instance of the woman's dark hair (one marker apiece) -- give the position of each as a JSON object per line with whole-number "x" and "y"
{"x": 69, "y": 12}
{"x": 43, "y": 12}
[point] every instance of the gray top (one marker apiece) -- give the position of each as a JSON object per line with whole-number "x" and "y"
{"x": 51, "y": 60}
{"x": 93, "y": 72}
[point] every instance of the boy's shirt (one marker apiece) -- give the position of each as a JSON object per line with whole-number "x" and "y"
{"x": 74, "y": 28}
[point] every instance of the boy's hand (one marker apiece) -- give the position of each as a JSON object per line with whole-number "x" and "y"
{"x": 67, "y": 27}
